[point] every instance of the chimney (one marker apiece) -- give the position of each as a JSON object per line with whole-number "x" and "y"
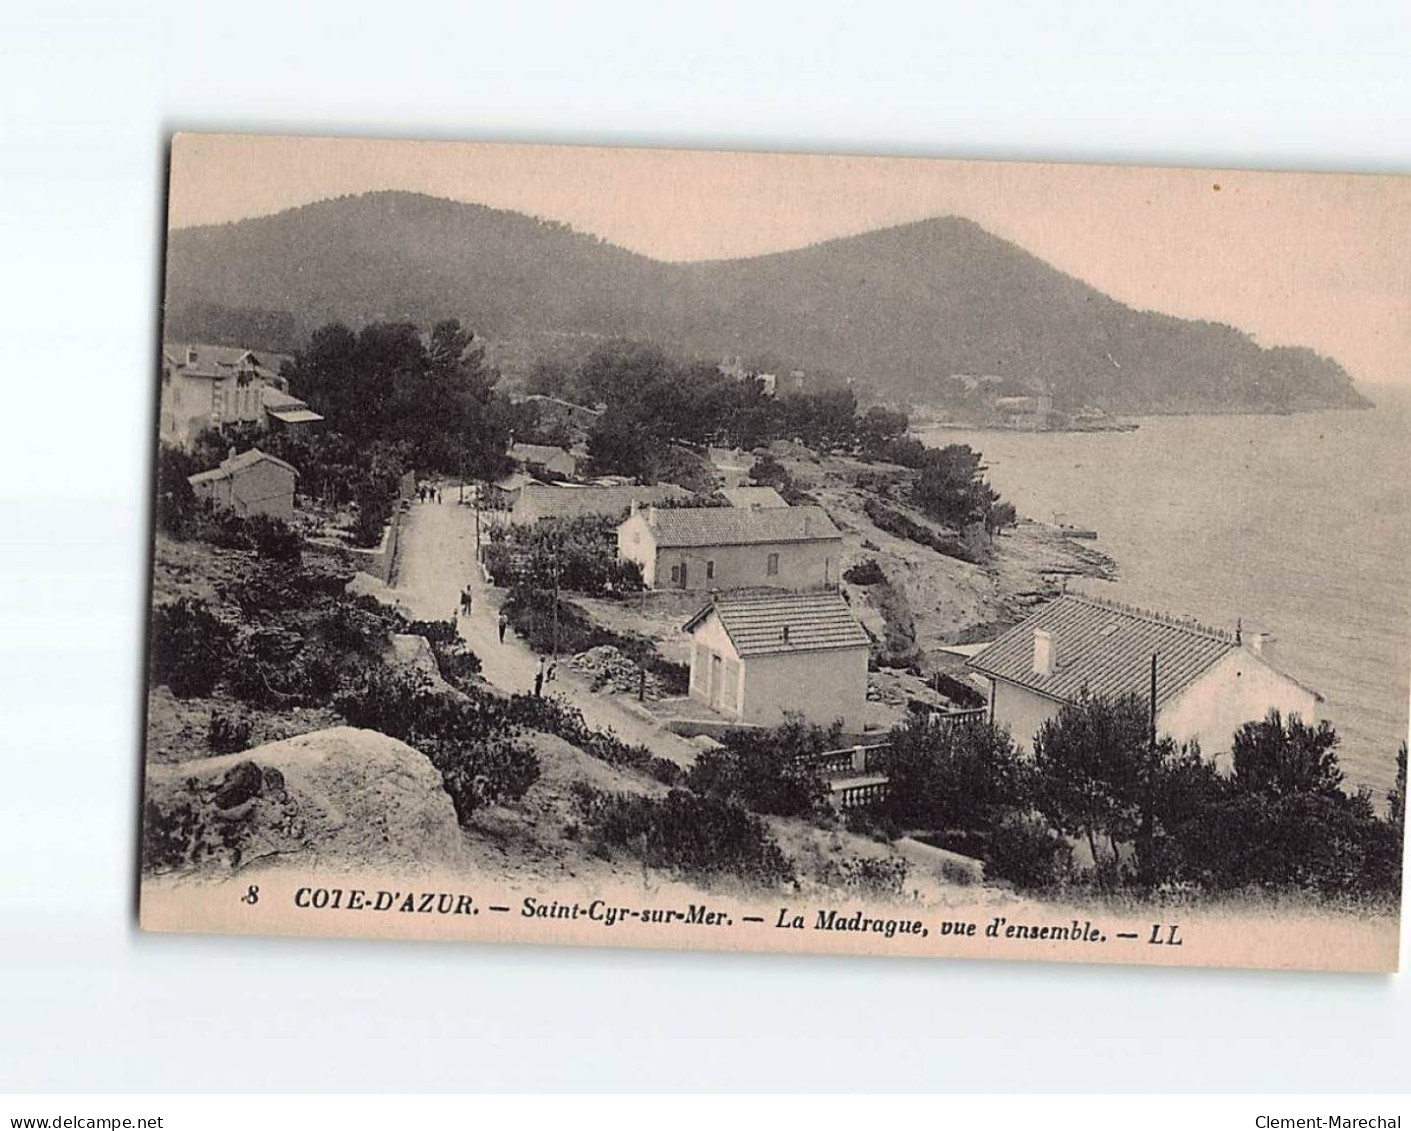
{"x": 635, "y": 507}
{"x": 231, "y": 453}
{"x": 808, "y": 526}
{"x": 1043, "y": 653}
{"x": 652, "y": 515}
{"x": 1261, "y": 644}
{"x": 786, "y": 634}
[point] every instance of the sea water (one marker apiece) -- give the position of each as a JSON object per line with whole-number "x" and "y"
{"x": 1299, "y": 526}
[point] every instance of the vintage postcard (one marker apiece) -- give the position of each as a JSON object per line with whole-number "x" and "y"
{"x": 807, "y": 554}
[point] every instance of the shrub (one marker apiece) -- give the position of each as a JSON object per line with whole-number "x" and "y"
{"x": 190, "y": 647}
{"x": 1029, "y": 854}
{"x": 699, "y": 836}
{"x": 458, "y": 664}
{"x": 952, "y": 774}
{"x": 272, "y": 538}
{"x": 470, "y": 739}
{"x": 895, "y": 522}
{"x": 167, "y": 835}
{"x": 554, "y": 716}
{"x": 878, "y": 876}
{"x": 176, "y": 509}
{"x": 767, "y": 771}
{"x": 278, "y": 667}
{"x": 349, "y": 629}
{"x": 531, "y": 614}
{"x": 865, "y": 572}
{"x": 581, "y": 552}
{"x": 228, "y": 733}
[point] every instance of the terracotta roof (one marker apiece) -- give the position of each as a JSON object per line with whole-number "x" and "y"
{"x": 767, "y": 622}
{"x": 1105, "y": 648}
{"x": 732, "y": 526}
{"x": 746, "y": 497}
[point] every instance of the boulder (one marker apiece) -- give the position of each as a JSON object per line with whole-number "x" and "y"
{"x": 365, "y": 585}
{"x": 412, "y": 655}
{"x": 333, "y": 800}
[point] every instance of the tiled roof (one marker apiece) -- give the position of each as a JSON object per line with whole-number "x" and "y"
{"x": 536, "y": 453}
{"x": 1105, "y": 649}
{"x": 221, "y": 361}
{"x": 295, "y": 415}
{"x": 767, "y": 622}
{"x": 746, "y": 497}
{"x": 273, "y": 398}
{"x": 229, "y": 467}
{"x": 732, "y": 526}
{"x": 556, "y": 501}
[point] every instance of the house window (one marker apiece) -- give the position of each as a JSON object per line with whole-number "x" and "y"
{"x": 676, "y": 573}
{"x": 772, "y": 566}
{"x": 710, "y": 571}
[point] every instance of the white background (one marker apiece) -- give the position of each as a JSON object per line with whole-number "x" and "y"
{"x": 88, "y": 94}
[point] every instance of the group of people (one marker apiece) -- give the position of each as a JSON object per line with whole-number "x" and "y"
{"x": 466, "y": 607}
{"x": 428, "y": 493}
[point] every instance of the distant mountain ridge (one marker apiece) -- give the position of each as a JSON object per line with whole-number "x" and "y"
{"x": 898, "y": 309}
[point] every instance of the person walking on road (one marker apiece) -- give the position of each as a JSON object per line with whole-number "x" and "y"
{"x": 502, "y": 624}
{"x": 539, "y": 678}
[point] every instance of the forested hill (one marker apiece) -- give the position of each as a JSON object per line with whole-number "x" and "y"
{"x": 900, "y": 309}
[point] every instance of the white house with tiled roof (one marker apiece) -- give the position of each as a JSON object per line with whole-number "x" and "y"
{"x": 759, "y": 656}
{"x": 732, "y": 547}
{"x": 1209, "y": 683}
{"x": 205, "y": 386}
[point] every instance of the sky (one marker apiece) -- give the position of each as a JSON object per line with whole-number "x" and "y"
{"x": 1321, "y": 260}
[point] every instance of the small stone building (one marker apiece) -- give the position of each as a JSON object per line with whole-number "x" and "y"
{"x": 249, "y": 484}
{"x": 759, "y": 656}
{"x": 732, "y": 547}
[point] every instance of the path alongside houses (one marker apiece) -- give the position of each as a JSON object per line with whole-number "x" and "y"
{"x": 437, "y": 559}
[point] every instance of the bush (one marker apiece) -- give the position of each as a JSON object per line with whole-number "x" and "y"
{"x": 581, "y": 551}
{"x": 697, "y": 836}
{"x": 458, "y": 664}
{"x": 895, "y": 522}
{"x": 272, "y": 538}
{"x": 276, "y": 667}
{"x": 952, "y": 774}
{"x": 553, "y": 716}
{"x": 1029, "y": 854}
{"x": 767, "y": 771}
{"x": 865, "y": 572}
{"x": 190, "y": 647}
{"x": 469, "y": 739}
{"x": 228, "y": 734}
{"x": 176, "y": 509}
{"x": 880, "y": 877}
{"x": 531, "y": 614}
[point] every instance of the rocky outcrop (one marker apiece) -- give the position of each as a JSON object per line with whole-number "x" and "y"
{"x": 333, "y": 799}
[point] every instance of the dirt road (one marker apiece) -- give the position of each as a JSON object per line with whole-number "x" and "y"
{"x": 437, "y": 557}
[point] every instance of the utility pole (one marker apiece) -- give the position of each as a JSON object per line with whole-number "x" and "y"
{"x": 556, "y": 599}
{"x": 1146, "y": 841}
